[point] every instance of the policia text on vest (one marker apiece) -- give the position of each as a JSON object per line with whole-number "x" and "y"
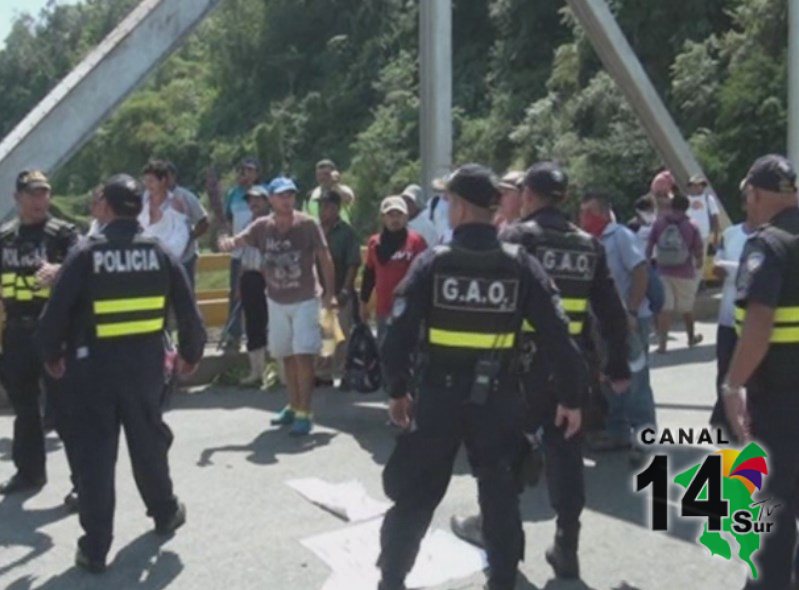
{"x": 105, "y": 321}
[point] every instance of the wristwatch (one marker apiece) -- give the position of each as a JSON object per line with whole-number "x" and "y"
{"x": 728, "y": 390}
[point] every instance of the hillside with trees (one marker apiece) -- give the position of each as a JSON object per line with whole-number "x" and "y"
{"x": 296, "y": 80}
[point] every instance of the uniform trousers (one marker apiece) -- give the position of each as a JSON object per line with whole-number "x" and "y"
{"x": 419, "y": 470}
{"x": 23, "y": 376}
{"x": 563, "y": 458}
{"x": 123, "y": 388}
{"x": 775, "y": 425}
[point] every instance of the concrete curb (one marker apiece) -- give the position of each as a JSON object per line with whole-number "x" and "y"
{"x": 216, "y": 362}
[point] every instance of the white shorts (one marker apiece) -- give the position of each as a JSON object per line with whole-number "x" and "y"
{"x": 294, "y": 328}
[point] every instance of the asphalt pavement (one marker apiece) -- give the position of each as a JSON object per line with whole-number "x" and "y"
{"x": 245, "y": 525}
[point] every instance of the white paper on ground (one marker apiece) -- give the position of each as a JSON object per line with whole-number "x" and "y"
{"x": 348, "y": 500}
{"x": 352, "y": 553}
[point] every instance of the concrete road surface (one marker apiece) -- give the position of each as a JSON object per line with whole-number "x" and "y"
{"x": 245, "y": 525}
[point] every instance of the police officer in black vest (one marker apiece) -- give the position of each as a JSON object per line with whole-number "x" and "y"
{"x": 468, "y": 301}
{"x": 766, "y": 359}
{"x": 576, "y": 262}
{"x": 106, "y": 320}
{"x": 32, "y": 242}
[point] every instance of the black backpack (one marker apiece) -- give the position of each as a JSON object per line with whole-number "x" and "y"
{"x": 362, "y": 370}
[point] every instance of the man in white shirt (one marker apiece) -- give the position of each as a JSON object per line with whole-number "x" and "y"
{"x": 703, "y": 210}
{"x": 196, "y": 217}
{"x": 438, "y": 210}
{"x": 725, "y": 266}
{"x": 161, "y": 215}
{"x": 417, "y": 220}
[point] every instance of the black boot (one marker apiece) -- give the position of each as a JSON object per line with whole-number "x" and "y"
{"x": 469, "y": 529}
{"x": 562, "y": 555}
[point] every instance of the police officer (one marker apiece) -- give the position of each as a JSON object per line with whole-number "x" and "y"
{"x": 469, "y": 299}
{"x": 766, "y": 359}
{"x": 576, "y": 262}
{"x": 105, "y": 324}
{"x": 32, "y": 242}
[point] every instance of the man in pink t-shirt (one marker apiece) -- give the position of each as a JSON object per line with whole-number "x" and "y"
{"x": 292, "y": 244}
{"x": 679, "y": 250}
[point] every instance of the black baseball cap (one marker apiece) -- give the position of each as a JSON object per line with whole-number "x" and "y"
{"x": 475, "y": 183}
{"x": 773, "y": 173}
{"x": 330, "y": 197}
{"x": 547, "y": 179}
{"x": 124, "y": 193}
{"x": 250, "y": 162}
{"x": 31, "y": 180}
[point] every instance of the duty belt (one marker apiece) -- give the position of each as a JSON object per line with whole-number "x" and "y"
{"x": 24, "y": 322}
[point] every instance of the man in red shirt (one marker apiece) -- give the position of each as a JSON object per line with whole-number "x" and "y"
{"x": 388, "y": 257}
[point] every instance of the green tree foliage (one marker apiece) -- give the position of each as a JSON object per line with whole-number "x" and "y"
{"x": 293, "y": 81}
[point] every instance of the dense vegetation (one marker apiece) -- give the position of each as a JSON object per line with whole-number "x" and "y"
{"x": 296, "y": 80}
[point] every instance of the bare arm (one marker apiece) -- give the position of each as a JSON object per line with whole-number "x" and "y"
{"x": 640, "y": 279}
{"x": 325, "y": 262}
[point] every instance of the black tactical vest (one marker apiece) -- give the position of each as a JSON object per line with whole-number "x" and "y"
{"x": 129, "y": 283}
{"x": 780, "y": 368}
{"x": 23, "y": 251}
{"x": 476, "y": 296}
{"x": 570, "y": 259}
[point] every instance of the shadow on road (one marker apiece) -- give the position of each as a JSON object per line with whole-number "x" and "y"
{"x": 267, "y": 446}
{"x": 705, "y": 353}
{"x": 21, "y": 528}
{"x": 141, "y": 565}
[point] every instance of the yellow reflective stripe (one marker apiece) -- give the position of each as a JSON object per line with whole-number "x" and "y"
{"x": 8, "y": 278}
{"x": 782, "y": 315}
{"x": 471, "y": 339}
{"x": 575, "y": 328}
{"x": 575, "y": 305}
{"x": 24, "y": 295}
{"x": 130, "y": 328}
{"x": 9, "y": 292}
{"x": 42, "y": 293}
{"x": 785, "y": 336}
{"x": 785, "y": 315}
{"x": 129, "y": 305}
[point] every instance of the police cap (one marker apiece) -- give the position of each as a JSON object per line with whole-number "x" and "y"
{"x": 547, "y": 179}
{"x": 476, "y": 184}
{"x": 124, "y": 194}
{"x": 31, "y": 180}
{"x": 773, "y": 173}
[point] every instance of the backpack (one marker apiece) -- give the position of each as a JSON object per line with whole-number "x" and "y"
{"x": 671, "y": 247}
{"x": 362, "y": 368}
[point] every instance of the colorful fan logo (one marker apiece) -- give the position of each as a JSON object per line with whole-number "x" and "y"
{"x": 748, "y": 466}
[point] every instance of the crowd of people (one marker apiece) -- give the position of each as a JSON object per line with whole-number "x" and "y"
{"x": 296, "y": 262}
{"x": 285, "y": 249}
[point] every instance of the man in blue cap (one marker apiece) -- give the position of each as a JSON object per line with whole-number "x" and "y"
{"x": 292, "y": 244}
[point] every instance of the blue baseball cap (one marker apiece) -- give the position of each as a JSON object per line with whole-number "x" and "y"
{"x": 281, "y": 184}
